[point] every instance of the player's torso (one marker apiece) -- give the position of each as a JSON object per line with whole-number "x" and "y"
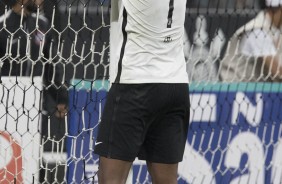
{"x": 156, "y": 18}
{"x": 152, "y": 39}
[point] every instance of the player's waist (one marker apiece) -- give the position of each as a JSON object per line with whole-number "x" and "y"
{"x": 144, "y": 80}
{"x": 154, "y": 36}
{"x": 166, "y": 51}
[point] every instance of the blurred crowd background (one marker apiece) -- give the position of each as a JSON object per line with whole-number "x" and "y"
{"x": 206, "y": 21}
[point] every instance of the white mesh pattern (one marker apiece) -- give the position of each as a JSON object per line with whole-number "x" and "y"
{"x": 56, "y": 58}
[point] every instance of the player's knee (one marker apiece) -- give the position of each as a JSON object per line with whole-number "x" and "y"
{"x": 113, "y": 171}
{"x": 163, "y": 173}
{"x": 105, "y": 177}
{"x": 164, "y": 179}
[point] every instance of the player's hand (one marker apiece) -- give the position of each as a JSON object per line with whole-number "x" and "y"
{"x": 61, "y": 110}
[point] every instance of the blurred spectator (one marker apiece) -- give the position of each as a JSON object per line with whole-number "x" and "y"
{"x": 202, "y": 55}
{"x": 50, "y": 7}
{"x": 246, "y": 4}
{"x": 223, "y": 4}
{"x": 254, "y": 51}
{"x": 24, "y": 49}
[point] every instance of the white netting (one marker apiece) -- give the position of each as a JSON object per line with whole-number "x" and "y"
{"x": 45, "y": 47}
{"x": 54, "y": 59}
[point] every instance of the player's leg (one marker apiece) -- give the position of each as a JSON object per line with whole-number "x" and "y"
{"x": 165, "y": 140}
{"x": 120, "y": 134}
{"x": 163, "y": 173}
{"x": 113, "y": 171}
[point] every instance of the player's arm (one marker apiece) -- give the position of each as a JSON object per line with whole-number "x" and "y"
{"x": 60, "y": 96}
{"x": 114, "y": 36}
{"x": 114, "y": 10}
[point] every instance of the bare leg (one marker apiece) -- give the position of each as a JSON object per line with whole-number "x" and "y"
{"x": 163, "y": 173}
{"x": 112, "y": 171}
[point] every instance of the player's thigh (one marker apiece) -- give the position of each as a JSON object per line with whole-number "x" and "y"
{"x": 165, "y": 143}
{"x": 121, "y": 131}
{"x": 163, "y": 173}
{"x": 113, "y": 170}
{"x": 166, "y": 137}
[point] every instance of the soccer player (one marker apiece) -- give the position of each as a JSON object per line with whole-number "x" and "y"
{"x": 147, "y": 110}
{"x": 254, "y": 52}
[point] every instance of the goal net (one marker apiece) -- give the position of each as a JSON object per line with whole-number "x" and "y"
{"x": 54, "y": 79}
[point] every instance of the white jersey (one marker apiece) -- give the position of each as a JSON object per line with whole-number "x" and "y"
{"x": 150, "y": 45}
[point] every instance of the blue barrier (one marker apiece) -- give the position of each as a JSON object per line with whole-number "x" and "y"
{"x": 234, "y": 134}
{"x": 86, "y": 99}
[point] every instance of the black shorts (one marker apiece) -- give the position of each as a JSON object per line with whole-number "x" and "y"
{"x": 148, "y": 121}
